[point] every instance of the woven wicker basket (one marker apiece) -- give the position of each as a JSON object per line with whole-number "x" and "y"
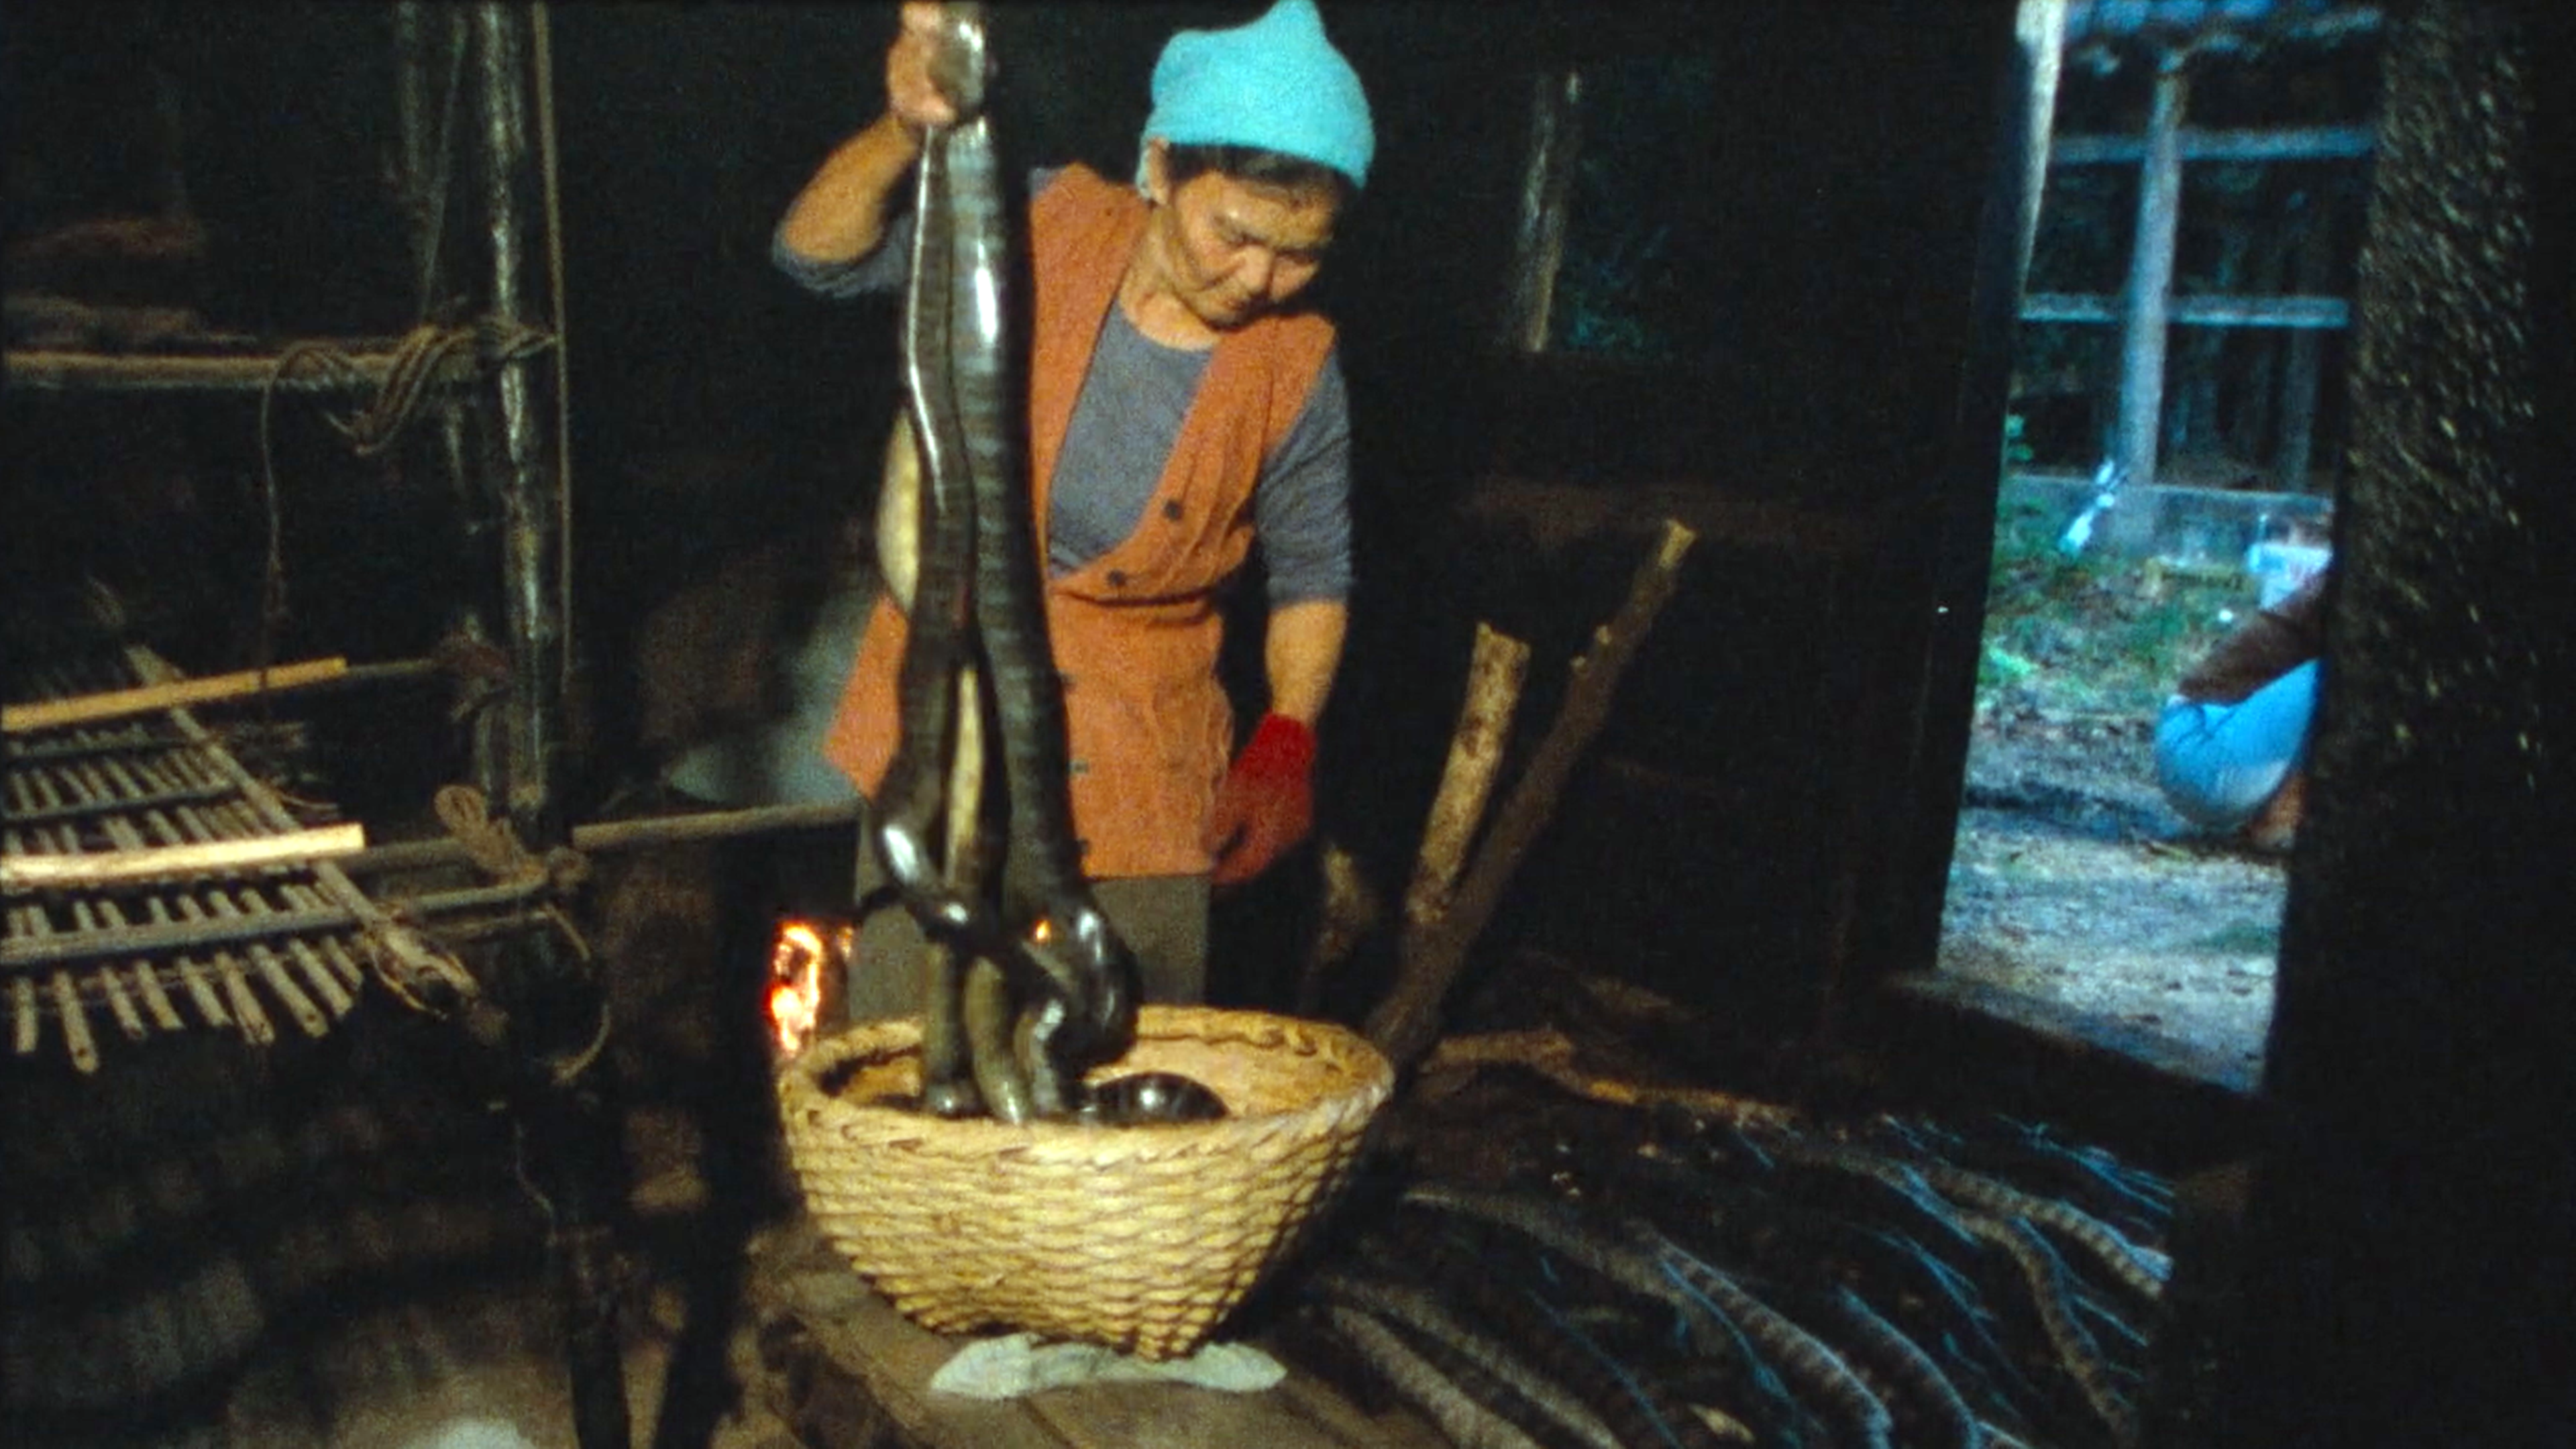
{"x": 1142, "y": 1238}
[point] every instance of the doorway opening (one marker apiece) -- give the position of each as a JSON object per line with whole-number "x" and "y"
{"x": 2173, "y": 444}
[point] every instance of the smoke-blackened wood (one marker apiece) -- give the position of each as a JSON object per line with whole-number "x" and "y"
{"x": 528, "y": 477}
{"x": 558, "y": 1006}
{"x": 1538, "y": 247}
{"x": 2409, "y": 1278}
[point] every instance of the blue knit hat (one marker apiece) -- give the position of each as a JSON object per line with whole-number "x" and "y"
{"x": 1276, "y": 84}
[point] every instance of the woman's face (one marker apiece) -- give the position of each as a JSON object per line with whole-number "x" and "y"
{"x": 1233, "y": 252}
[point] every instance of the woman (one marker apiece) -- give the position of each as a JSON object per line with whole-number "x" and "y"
{"x": 2232, "y": 742}
{"x": 1179, "y": 408}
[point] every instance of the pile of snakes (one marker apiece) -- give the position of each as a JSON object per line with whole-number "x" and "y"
{"x": 1681, "y": 1278}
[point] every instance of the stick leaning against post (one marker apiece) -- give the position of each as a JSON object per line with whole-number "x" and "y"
{"x": 1434, "y": 946}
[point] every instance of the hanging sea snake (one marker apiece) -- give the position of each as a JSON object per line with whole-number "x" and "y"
{"x": 1059, "y": 994}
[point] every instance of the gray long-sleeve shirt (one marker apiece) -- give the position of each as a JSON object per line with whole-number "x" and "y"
{"x": 1125, "y": 422}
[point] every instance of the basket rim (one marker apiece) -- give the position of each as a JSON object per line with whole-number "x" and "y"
{"x": 1367, "y": 1080}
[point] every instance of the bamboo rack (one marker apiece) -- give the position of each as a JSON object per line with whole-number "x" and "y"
{"x": 153, "y": 885}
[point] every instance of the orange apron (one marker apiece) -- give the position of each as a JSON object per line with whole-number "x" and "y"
{"x": 1135, "y": 631}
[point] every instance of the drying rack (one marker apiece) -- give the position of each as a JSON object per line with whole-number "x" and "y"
{"x": 154, "y": 884}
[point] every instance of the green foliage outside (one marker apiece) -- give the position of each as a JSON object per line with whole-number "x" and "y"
{"x": 2094, "y": 635}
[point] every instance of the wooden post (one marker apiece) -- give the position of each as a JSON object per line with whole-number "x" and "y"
{"x": 1555, "y": 139}
{"x": 427, "y": 42}
{"x": 529, "y": 480}
{"x": 559, "y": 1006}
{"x": 2305, "y": 362}
{"x": 2409, "y": 1273}
{"x": 420, "y": 93}
{"x": 2142, "y": 338}
{"x": 2039, "y": 30}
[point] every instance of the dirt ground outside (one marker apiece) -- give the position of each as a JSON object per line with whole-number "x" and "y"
{"x": 2073, "y": 883}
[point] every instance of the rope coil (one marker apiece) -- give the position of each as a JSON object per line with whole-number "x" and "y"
{"x": 495, "y": 849}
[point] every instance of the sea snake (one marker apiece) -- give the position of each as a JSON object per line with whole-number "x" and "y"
{"x": 977, "y": 603}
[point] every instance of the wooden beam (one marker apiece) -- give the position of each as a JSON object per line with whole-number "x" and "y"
{"x": 364, "y": 364}
{"x": 642, "y": 832}
{"x": 2289, "y": 143}
{"x": 2199, "y": 311}
{"x": 2075, "y": 1035}
{"x": 2303, "y": 366}
{"x": 2232, "y": 28}
{"x": 176, "y": 694}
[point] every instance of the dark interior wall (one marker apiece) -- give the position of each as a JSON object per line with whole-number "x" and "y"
{"x": 1834, "y": 193}
{"x": 1743, "y": 829}
{"x": 275, "y": 121}
{"x": 687, "y": 130}
{"x": 2416, "y": 1197}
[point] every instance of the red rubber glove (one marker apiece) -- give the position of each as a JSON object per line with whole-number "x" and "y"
{"x": 1267, "y": 803}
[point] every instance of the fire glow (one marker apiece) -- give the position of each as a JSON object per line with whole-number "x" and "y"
{"x": 798, "y": 956}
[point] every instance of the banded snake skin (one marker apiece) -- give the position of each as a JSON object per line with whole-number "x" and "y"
{"x": 1687, "y": 1277}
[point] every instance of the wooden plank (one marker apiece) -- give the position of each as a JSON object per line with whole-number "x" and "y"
{"x": 175, "y": 694}
{"x": 1301, "y": 1413}
{"x": 31, "y": 872}
{"x": 892, "y": 1357}
{"x": 2074, "y": 1031}
{"x": 800, "y": 1275}
{"x": 1396, "y": 1427}
{"x": 1177, "y": 1416}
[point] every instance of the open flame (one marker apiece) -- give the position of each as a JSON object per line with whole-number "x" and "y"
{"x": 799, "y": 955}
